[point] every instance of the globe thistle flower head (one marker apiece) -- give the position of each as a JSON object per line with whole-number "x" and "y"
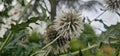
{"x": 69, "y": 24}
{"x": 113, "y": 5}
{"x": 60, "y": 45}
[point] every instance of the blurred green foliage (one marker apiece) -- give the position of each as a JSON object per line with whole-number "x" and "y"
{"x": 23, "y": 44}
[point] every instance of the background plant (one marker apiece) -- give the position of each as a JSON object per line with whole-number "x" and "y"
{"x": 19, "y": 36}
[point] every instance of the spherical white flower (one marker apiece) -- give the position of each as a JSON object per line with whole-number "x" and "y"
{"x": 113, "y": 5}
{"x": 69, "y": 24}
{"x": 60, "y": 45}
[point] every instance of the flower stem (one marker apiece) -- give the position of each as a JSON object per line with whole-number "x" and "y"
{"x": 51, "y": 42}
{"x": 6, "y": 41}
{"x": 48, "y": 51}
{"x": 46, "y": 45}
{"x": 88, "y": 48}
{"x": 98, "y": 16}
{"x": 76, "y": 52}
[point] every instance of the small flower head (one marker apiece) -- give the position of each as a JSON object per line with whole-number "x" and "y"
{"x": 60, "y": 45}
{"x": 69, "y": 24}
{"x": 113, "y": 5}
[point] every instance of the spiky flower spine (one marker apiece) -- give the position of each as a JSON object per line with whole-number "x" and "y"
{"x": 60, "y": 45}
{"x": 113, "y": 5}
{"x": 69, "y": 24}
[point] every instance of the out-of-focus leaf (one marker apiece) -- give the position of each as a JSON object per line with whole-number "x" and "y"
{"x": 5, "y": 12}
{"x": 117, "y": 52}
{"x": 80, "y": 53}
{"x": 8, "y": 1}
{"x": 34, "y": 19}
{"x": 20, "y": 49}
{"x": 34, "y": 37}
{"x": 88, "y": 34}
{"x": 18, "y": 27}
{"x": 112, "y": 34}
{"x": 75, "y": 44}
{"x": 99, "y": 53}
{"x": 22, "y": 2}
{"x": 49, "y": 22}
{"x": 101, "y": 43}
{"x": 19, "y": 36}
{"x": 43, "y": 10}
{"x": 69, "y": 53}
{"x": 1, "y": 22}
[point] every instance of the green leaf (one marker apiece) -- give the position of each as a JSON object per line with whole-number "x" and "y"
{"x": 16, "y": 38}
{"x": 8, "y": 1}
{"x": 23, "y": 25}
{"x": 34, "y": 19}
{"x": 43, "y": 10}
{"x": 34, "y": 37}
{"x": 22, "y": 2}
{"x": 69, "y": 53}
{"x": 19, "y": 27}
{"x": 1, "y": 22}
{"x": 5, "y": 12}
{"x": 112, "y": 34}
{"x": 88, "y": 34}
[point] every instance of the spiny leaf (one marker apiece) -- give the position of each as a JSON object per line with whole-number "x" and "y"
{"x": 111, "y": 31}
{"x": 112, "y": 34}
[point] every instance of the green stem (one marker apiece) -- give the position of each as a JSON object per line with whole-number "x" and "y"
{"x": 6, "y": 41}
{"x": 76, "y": 52}
{"x": 24, "y": 10}
{"x": 98, "y": 16}
{"x": 48, "y": 51}
{"x": 88, "y": 48}
{"x": 46, "y": 45}
{"x": 51, "y": 42}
